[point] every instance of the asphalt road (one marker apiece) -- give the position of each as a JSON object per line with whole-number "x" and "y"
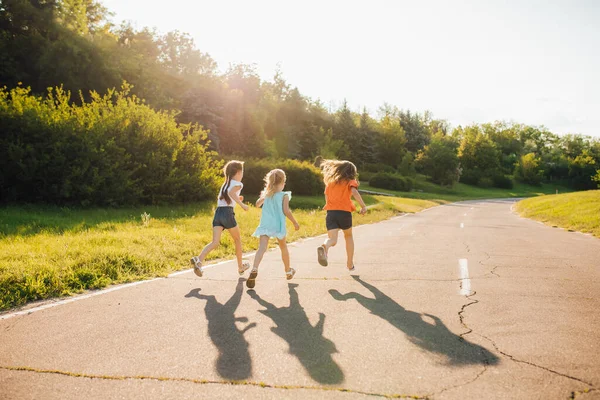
{"x": 463, "y": 301}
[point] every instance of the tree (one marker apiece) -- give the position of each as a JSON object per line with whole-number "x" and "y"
{"x": 390, "y": 146}
{"x": 439, "y": 160}
{"x": 479, "y": 158}
{"x": 528, "y": 169}
{"x": 581, "y": 170}
{"x": 346, "y": 130}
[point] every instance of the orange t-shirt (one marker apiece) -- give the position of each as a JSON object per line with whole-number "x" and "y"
{"x": 338, "y": 196}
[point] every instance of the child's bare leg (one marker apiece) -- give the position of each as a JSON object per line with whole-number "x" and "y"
{"x": 262, "y": 248}
{"x": 217, "y": 231}
{"x": 349, "y": 247}
{"x": 285, "y": 254}
{"x": 237, "y": 240}
{"x": 332, "y": 238}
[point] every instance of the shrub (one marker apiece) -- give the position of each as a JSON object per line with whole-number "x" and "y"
{"x": 113, "y": 150}
{"x": 471, "y": 177}
{"x": 378, "y": 167}
{"x": 502, "y": 181}
{"x": 485, "y": 182}
{"x": 392, "y": 182}
{"x": 366, "y": 176}
{"x": 303, "y": 178}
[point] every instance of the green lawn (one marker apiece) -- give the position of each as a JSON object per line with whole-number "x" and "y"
{"x": 49, "y": 251}
{"x": 578, "y": 211}
{"x": 430, "y": 191}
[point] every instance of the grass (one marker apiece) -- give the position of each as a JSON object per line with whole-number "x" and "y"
{"x": 49, "y": 251}
{"x": 430, "y": 191}
{"x": 578, "y": 211}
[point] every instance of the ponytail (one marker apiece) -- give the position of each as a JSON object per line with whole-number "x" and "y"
{"x": 230, "y": 169}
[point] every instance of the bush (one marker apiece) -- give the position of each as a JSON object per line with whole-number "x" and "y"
{"x": 366, "y": 176}
{"x": 502, "y": 181}
{"x": 471, "y": 177}
{"x": 303, "y": 178}
{"x": 392, "y": 182}
{"x": 485, "y": 182}
{"x": 113, "y": 150}
{"x": 377, "y": 168}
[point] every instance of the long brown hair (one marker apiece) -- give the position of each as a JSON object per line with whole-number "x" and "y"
{"x": 335, "y": 171}
{"x": 273, "y": 179}
{"x": 229, "y": 170}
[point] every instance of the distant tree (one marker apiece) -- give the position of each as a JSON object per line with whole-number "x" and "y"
{"x": 391, "y": 141}
{"x": 439, "y": 160}
{"x": 528, "y": 169}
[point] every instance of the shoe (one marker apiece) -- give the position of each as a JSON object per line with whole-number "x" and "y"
{"x": 322, "y": 255}
{"x": 195, "y": 261}
{"x": 251, "y": 282}
{"x": 290, "y": 274}
{"x": 245, "y": 267}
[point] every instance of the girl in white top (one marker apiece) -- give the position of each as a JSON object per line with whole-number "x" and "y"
{"x": 224, "y": 217}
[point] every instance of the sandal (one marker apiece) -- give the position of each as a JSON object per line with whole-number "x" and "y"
{"x": 251, "y": 282}
{"x": 322, "y": 255}
{"x": 245, "y": 267}
{"x": 352, "y": 269}
{"x": 197, "y": 266}
{"x": 290, "y": 274}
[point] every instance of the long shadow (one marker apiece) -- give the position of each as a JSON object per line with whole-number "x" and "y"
{"x": 433, "y": 337}
{"x": 234, "y": 358}
{"x": 305, "y": 341}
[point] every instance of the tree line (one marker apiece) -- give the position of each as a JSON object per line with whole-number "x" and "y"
{"x": 71, "y": 44}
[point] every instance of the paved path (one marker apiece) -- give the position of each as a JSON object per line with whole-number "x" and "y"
{"x": 463, "y": 301}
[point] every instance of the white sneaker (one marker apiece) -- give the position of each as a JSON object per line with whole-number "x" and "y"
{"x": 195, "y": 261}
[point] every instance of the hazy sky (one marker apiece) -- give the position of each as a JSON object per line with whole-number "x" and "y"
{"x": 536, "y": 62}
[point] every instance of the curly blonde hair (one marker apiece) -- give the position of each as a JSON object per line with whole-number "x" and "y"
{"x": 335, "y": 171}
{"x": 273, "y": 179}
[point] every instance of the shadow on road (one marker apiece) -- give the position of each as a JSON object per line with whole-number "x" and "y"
{"x": 234, "y": 358}
{"x": 306, "y": 342}
{"x": 433, "y": 337}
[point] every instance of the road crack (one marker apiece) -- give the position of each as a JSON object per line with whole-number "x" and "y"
{"x": 486, "y": 362}
{"x": 209, "y": 382}
{"x": 513, "y": 358}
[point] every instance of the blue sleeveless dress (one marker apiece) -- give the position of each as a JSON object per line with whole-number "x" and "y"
{"x": 272, "y": 220}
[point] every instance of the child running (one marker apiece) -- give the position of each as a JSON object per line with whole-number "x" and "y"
{"x": 340, "y": 186}
{"x": 224, "y": 217}
{"x": 275, "y": 207}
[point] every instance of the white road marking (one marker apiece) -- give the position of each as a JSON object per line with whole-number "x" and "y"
{"x": 462, "y": 225}
{"x": 465, "y": 283}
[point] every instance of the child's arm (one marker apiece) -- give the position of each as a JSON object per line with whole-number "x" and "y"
{"x": 288, "y": 212}
{"x": 233, "y": 193}
{"x": 260, "y": 200}
{"x": 358, "y": 198}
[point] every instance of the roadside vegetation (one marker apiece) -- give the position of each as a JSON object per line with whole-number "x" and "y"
{"x": 578, "y": 211}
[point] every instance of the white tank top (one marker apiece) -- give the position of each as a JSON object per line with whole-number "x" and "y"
{"x": 232, "y": 184}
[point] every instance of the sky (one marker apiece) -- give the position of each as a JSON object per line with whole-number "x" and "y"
{"x": 529, "y": 61}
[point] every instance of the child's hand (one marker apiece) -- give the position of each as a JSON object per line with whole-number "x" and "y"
{"x": 241, "y": 198}
{"x": 363, "y": 210}
{"x": 245, "y": 207}
{"x": 296, "y": 226}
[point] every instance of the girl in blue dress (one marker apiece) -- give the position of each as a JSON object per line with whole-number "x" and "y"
{"x": 275, "y": 208}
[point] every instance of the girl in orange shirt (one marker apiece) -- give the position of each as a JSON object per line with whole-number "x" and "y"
{"x": 340, "y": 187}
